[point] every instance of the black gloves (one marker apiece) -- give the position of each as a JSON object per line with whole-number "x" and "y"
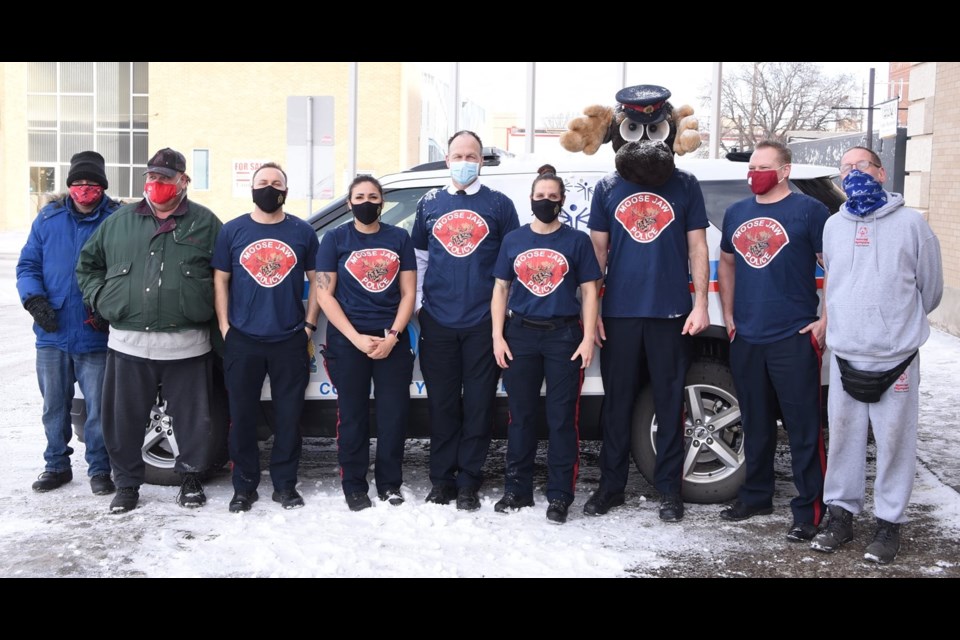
{"x": 43, "y": 314}
{"x": 96, "y": 321}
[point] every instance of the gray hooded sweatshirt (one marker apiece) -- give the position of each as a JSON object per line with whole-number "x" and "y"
{"x": 884, "y": 275}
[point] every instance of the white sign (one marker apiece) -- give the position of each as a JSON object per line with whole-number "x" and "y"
{"x": 888, "y": 118}
{"x": 243, "y": 171}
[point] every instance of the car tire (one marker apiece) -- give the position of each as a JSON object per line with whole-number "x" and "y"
{"x": 713, "y": 439}
{"x": 160, "y": 447}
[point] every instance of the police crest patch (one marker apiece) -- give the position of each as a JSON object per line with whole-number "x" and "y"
{"x": 460, "y": 232}
{"x": 758, "y": 241}
{"x": 374, "y": 269}
{"x": 540, "y": 271}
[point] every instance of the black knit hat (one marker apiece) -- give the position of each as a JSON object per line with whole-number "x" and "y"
{"x": 87, "y": 165}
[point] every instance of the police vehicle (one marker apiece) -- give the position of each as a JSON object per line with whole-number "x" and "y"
{"x": 714, "y": 462}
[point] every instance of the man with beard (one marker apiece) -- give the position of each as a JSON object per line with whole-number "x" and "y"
{"x": 648, "y": 223}
{"x": 259, "y": 265}
{"x": 147, "y": 272}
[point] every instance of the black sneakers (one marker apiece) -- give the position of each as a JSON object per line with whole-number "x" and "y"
{"x": 839, "y": 530}
{"x": 391, "y": 496}
{"x": 599, "y": 503}
{"x": 191, "y": 493}
{"x": 511, "y": 502}
{"x": 467, "y": 499}
{"x": 125, "y": 500}
{"x": 802, "y": 531}
{"x": 442, "y": 494}
{"x": 243, "y": 501}
{"x": 102, "y": 485}
{"x": 741, "y": 511}
{"x": 557, "y": 511}
{"x": 50, "y": 480}
{"x": 290, "y": 499}
{"x": 358, "y": 501}
{"x": 671, "y": 508}
{"x": 886, "y": 543}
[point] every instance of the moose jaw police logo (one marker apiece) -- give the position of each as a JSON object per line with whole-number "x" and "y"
{"x": 758, "y": 241}
{"x": 540, "y": 270}
{"x": 644, "y": 216}
{"x": 460, "y": 232}
{"x": 268, "y": 261}
{"x": 374, "y": 269}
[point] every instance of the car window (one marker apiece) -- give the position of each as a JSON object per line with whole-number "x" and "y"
{"x": 399, "y": 209}
{"x": 718, "y": 195}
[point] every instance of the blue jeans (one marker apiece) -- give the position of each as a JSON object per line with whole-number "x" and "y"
{"x": 56, "y": 372}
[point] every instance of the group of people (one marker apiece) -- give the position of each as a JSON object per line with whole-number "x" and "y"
{"x": 491, "y": 298}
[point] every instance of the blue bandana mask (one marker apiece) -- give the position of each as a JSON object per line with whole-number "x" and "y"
{"x": 463, "y": 172}
{"x": 864, "y": 194}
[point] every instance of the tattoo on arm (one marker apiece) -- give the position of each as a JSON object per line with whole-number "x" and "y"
{"x": 323, "y": 280}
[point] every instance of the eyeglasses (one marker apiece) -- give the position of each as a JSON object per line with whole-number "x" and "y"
{"x": 863, "y": 165}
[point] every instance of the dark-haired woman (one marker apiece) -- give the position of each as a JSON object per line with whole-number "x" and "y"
{"x": 366, "y": 285}
{"x": 538, "y": 334}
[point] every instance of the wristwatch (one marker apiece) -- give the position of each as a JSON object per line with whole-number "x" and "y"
{"x": 394, "y": 333}
{"x": 310, "y": 325}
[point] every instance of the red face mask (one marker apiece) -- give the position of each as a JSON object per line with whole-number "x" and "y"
{"x": 160, "y": 192}
{"x": 762, "y": 181}
{"x": 86, "y": 194}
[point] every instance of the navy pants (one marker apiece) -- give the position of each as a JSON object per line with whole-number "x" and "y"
{"x": 130, "y": 386}
{"x": 633, "y": 345}
{"x": 351, "y": 371}
{"x": 246, "y": 363}
{"x": 461, "y": 374}
{"x": 540, "y": 354}
{"x": 787, "y": 371}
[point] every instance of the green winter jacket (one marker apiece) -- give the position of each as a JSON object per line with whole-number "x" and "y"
{"x": 145, "y": 276}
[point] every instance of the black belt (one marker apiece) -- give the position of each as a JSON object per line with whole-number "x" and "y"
{"x": 544, "y": 325}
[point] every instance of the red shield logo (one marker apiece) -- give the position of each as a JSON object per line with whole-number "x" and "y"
{"x": 268, "y": 261}
{"x": 758, "y": 241}
{"x": 540, "y": 270}
{"x": 374, "y": 269}
{"x": 644, "y": 215}
{"x": 460, "y": 232}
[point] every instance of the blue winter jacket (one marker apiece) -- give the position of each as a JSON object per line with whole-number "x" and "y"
{"x": 47, "y": 268}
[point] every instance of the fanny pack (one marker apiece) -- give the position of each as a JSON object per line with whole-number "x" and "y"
{"x": 869, "y": 386}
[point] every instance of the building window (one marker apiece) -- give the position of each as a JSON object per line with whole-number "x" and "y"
{"x": 200, "y": 175}
{"x": 81, "y": 106}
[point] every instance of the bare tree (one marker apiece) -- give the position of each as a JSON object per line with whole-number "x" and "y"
{"x": 765, "y": 100}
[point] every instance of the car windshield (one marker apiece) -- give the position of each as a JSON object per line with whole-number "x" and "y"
{"x": 399, "y": 207}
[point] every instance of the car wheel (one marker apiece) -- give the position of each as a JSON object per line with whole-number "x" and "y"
{"x": 160, "y": 448}
{"x": 713, "y": 465}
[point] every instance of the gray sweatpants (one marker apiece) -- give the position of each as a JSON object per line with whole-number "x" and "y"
{"x": 894, "y": 421}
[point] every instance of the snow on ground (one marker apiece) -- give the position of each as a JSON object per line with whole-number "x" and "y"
{"x": 69, "y": 532}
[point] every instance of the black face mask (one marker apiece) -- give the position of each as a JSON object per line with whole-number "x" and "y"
{"x": 545, "y": 210}
{"x": 268, "y": 199}
{"x": 366, "y": 212}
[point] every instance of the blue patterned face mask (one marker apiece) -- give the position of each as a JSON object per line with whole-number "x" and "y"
{"x": 463, "y": 172}
{"x": 864, "y": 194}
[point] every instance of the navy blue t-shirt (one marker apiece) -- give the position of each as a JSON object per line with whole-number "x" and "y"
{"x": 546, "y": 270}
{"x": 775, "y": 249}
{"x": 648, "y": 274}
{"x": 267, "y": 264}
{"x": 462, "y": 235}
{"x": 368, "y": 266}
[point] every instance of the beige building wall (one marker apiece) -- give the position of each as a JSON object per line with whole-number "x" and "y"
{"x": 17, "y": 207}
{"x": 933, "y": 163}
{"x": 237, "y": 111}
